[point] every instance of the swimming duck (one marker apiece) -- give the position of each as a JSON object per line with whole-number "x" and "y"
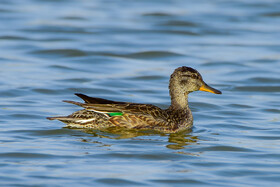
{"x": 102, "y": 113}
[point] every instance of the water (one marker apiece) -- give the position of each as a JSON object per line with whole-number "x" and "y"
{"x": 126, "y": 50}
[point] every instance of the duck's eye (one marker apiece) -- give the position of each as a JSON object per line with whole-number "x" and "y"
{"x": 194, "y": 76}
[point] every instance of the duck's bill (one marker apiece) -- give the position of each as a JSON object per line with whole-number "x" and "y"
{"x": 207, "y": 88}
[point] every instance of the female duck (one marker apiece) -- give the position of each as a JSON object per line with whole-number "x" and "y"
{"x": 102, "y": 113}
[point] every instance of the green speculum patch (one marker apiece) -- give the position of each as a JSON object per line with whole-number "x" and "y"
{"x": 115, "y": 114}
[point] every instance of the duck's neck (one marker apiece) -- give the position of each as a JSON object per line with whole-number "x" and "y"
{"x": 179, "y": 100}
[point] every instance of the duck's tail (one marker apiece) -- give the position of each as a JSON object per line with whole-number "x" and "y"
{"x": 58, "y": 118}
{"x": 64, "y": 119}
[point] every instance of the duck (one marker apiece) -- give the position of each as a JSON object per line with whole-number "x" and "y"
{"x": 101, "y": 114}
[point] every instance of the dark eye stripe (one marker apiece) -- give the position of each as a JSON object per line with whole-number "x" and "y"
{"x": 192, "y": 76}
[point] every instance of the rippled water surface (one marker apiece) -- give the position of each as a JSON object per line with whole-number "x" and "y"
{"x": 126, "y": 50}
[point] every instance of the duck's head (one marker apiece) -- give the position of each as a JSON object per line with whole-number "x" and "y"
{"x": 185, "y": 80}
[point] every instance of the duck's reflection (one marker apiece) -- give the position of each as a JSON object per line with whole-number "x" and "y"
{"x": 176, "y": 140}
{"x": 182, "y": 139}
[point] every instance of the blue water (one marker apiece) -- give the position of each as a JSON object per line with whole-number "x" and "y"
{"x": 126, "y": 51}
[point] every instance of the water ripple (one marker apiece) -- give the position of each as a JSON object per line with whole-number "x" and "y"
{"x": 61, "y": 52}
{"x": 145, "y": 54}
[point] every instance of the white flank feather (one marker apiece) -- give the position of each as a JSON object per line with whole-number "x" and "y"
{"x": 85, "y": 120}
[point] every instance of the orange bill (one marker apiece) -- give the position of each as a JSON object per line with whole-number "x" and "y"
{"x": 207, "y": 88}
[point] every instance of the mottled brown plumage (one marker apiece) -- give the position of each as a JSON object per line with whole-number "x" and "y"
{"x": 102, "y": 113}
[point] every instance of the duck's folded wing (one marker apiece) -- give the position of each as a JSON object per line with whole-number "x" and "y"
{"x": 126, "y": 108}
{"x": 131, "y": 115}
